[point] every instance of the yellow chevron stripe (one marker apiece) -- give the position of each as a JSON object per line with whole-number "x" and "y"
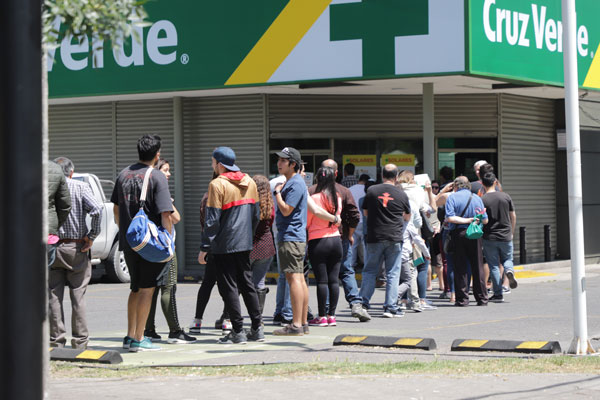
{"x": 408, "y": 342}
{"x": 592, "y": 80}
{"x": 278, "y": 41}
{"x": 473, "y": 343}
{"x": 353, "y": 339}
{"x": 91, "y": 354}
{"x": 532, "y": 345}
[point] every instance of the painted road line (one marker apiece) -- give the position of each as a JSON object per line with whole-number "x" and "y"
{"x": 548, "y": 347}
{"x": 98, "y": 356}
{"x": 386, "y": 341}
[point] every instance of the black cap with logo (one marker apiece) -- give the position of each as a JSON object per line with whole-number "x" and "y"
{"x": 290, "y": 153}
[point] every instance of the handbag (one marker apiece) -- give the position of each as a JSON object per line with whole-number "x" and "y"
{"x": 450, "y": 241}
{"x": 426, "y": 228}
{"x": 153, "y": 243}
{"x": 475, "y": 230}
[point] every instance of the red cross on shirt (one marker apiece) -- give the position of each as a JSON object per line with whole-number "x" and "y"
{"x": 385, "y": 198}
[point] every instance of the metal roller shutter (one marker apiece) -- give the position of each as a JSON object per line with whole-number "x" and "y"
{"x": 209, "y": 122}
{"x": 83, "y": 133}
{"x": 345, "y": 117}
{"x": 137, "y": 118}
{"x": 528, "y": 159}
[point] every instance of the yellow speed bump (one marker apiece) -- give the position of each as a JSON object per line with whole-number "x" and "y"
{"x": 386, "y": 341}
{"x": 96, "y": 356}
{"x": 506, "y": 346}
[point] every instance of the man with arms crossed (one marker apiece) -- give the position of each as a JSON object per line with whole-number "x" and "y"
{"x": 158, "y": 206}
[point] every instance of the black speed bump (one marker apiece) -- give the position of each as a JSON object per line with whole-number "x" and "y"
{"x": 515, "y": 346}
{"x": 386, "y": 341}
{"x": 97, "y": 356}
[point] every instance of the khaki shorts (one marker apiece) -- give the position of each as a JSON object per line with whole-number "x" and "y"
{"x": 291, "y": 257}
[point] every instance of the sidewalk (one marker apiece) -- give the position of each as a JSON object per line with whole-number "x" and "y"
{"x": 539, "y": 309}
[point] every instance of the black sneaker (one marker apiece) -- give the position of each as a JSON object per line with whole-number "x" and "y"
{"x": 497, "y": 298}
{"x": 151, "y": 333}
{"x": 257, "y": 335}
{"x": 511, "y": 279}
{"x": 279, "y": 320}
{"x": 180, "y": 337}
{"x": 234, "y": 338}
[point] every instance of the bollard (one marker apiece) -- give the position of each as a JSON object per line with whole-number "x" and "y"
{"x": 522, "y": 246}
{"x": 547, "y": 248}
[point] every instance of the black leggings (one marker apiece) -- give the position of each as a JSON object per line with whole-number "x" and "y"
{"x": 325, "y": 258}
{"x": 208, "y": 282}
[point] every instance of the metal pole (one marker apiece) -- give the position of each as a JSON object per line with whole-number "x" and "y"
{"x": 580, "y": 343}
{"x": 22, "y": 245}
{"x": 547, "y": 247}
{"x": 523, "y": 245}
{"x": 428, "y": 130}
{"x": 179, "y": 200}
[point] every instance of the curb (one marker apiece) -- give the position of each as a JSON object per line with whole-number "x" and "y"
{"x": 385, "y": 341}
{"x": 547, "y": 347}
{"x": 75, "y": 355}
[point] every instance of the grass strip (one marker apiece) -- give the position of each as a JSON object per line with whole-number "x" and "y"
{"x": 554, "y": 365}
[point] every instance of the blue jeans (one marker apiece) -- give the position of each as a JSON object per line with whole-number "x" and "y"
{"x": 422, "y": 279}
{"x": 376, "y": 252}
{"x": 347, "y": 275}
{"x": 283, "y": 303}
{"x": 259, "y": 271}
{"x": 497, "y": 253}
{"x": 449, "y": 263}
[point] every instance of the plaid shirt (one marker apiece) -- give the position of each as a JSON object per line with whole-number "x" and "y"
{"x": 349, "y": 181}
{"x": 82, "y": 203}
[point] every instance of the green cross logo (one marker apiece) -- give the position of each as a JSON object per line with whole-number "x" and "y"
{"x": 377, "y": 23}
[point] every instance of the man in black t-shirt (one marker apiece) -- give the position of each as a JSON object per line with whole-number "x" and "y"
{"x": 158, "y": 206}
{"x": 498, "y": 235}
{"x": 387, "y": 209}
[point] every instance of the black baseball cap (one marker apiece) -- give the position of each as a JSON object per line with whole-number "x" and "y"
{"x": 290, "y": 153}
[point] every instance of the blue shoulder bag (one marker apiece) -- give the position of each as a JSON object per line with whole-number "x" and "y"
{"x": 151, "y": 242}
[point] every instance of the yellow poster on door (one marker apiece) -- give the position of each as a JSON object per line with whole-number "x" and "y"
{"x": 363, "y": 163}
{"x": 402, "y": 161}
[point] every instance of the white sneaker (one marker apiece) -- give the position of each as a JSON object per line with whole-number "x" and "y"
{"x": 388, "y": 314}
{"x": 226, "y": 326}
{"x": 196, "y": 326}
{"x": 427, "y": 307}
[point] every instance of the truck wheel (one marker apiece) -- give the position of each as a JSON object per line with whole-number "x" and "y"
{"x": 115, "y": 266}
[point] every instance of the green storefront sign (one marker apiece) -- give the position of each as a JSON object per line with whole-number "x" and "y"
{"x": 202, "y": 45}
{"x": 194, "y": 45}
{"x": 522, "y": 40}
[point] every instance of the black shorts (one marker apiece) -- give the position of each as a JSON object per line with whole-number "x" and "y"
{"x": 143, "y": 273}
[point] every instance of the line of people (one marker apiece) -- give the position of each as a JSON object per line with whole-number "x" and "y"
{"x": 247, "y": 221}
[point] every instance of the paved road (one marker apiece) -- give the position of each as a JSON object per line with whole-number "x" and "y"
{"x": 540, "y": 309}
{"x": 546, "y": 386}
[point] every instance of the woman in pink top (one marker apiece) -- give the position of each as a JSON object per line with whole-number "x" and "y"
{"x": 325, "y": 247}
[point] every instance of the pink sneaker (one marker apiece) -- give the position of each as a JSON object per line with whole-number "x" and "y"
{"x": 318, "y": 321}
{"x": 331, "y": 321}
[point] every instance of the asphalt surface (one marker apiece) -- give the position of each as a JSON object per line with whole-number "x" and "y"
{"x": 540, "y": 309}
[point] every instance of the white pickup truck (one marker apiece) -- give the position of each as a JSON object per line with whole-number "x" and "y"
{"x": 106, "y": 257}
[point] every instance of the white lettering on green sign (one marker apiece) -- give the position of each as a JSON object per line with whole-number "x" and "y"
{"x": 75, "y": 52}
{"x": 547, "y": 31}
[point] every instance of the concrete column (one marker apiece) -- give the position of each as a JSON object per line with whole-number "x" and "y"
{"x": 428, "y": 131}
{"x": 179, "y": 200}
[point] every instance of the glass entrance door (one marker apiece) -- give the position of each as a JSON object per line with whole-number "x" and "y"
{"x": 461, "y": 154}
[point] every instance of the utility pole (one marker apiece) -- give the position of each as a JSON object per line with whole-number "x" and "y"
{"x": 22, "y": 245}
{"x": 580, "y": 343}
